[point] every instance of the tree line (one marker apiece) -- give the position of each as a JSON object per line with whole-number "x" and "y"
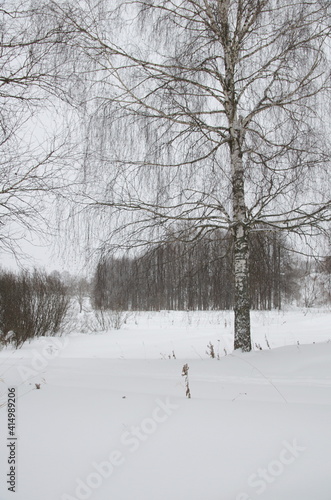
{"x": 196, "y": 276}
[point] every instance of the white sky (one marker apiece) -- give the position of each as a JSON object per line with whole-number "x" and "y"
{"x": 44, "y": 256}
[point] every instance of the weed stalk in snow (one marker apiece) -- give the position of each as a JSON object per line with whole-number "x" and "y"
{"x": 185, "y": 374}
{"x": 211, "y": 350}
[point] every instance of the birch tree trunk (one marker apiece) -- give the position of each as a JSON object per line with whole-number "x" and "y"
{"x": 242, "y": 337}
{"x": 240, "y": 226}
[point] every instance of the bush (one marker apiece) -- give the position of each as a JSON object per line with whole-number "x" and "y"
{"x": 31, "y": 305}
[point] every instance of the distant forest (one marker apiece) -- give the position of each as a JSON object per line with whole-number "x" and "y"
{"x": 198, "y": 275}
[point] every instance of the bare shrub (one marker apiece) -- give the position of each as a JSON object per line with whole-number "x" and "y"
{"x": 31, "y": 305}
{"x": 107, "y": 319}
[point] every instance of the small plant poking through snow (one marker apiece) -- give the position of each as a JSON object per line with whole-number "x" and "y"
{"x": 187, "y": 386}
{"x": 169, "y": 356}
{"x": 210, "y": 351}
{"x": 267, "y": 342}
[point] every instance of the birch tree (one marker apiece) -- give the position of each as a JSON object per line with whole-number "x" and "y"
{"x": 210, "y": 113}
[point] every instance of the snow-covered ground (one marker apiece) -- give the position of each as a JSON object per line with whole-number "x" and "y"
{"x": 111, "y": 420}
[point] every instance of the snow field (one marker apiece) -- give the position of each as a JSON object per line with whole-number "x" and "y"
{"x": 111, "y": 420}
